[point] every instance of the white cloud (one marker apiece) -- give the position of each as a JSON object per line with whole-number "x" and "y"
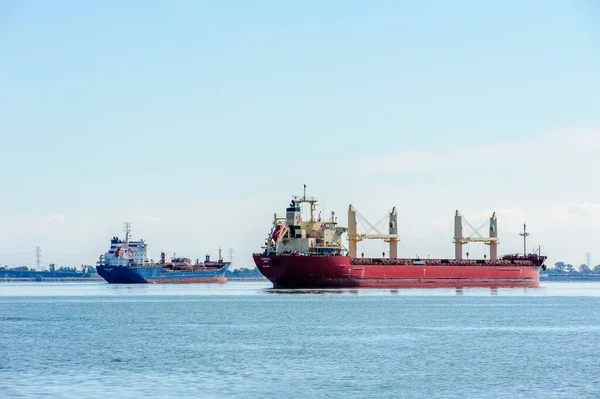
{"x": 584, "y": 210}
{"x": 560, "y": 152}
{"x": 55, "y": 218}
{"x": 151, "y": 219}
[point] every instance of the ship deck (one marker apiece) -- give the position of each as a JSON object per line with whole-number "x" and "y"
{"x": 440, "y": 262}
{"x": 523, "y": 261}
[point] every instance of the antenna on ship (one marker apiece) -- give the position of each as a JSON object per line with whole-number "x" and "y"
{"x": 311, "y": 200}
{"x": 524, "y": 234}
{"x": 127, "y": 232}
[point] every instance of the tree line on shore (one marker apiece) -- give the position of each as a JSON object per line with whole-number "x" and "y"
{"x": 87, "y": 269}
{"x": 567, "y": 268}
{"x": 243, "y": 273}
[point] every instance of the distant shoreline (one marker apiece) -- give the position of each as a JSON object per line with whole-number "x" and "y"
{"x": 569, "y": 277}
{"x": 49, "y": 279}
{"x": 92, "y": 279}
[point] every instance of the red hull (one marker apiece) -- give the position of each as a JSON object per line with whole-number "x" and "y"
{"x": 297, "y": 271}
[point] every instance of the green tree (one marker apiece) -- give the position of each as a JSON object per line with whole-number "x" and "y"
{"x": 584, "y": 269}
{"x": 570, "y": 268}
{"x": 560, "y": 267}
{"x": 243, "y": 272}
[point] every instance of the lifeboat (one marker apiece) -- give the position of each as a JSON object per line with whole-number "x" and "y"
{"x": 277, "y": 231}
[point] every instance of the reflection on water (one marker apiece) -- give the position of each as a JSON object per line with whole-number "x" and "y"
{"x": 382, "y": 291}
{"x": 303, "y": 291}
{"x": 458, "y": 291}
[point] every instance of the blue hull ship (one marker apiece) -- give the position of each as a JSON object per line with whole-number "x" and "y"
{"x": 158, "y": 274}
{"x": 126, "y": 262}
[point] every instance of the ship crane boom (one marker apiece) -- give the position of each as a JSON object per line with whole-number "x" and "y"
{"x": 354, "y": 237}
{"x": 385, "y": 237}
{"x": 460, "y": 239}
{"x": 485, "y": 240}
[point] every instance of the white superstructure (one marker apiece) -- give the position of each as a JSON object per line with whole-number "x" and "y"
{"x": 293, "y": 234}
{"x": 125, "y": 252}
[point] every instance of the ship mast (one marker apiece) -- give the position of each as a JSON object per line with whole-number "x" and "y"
{"x": 127, "y": 232}
{"x": 524, "y": 234}
{"x": 310, "y": 200}
{"x": 312, "y": 205}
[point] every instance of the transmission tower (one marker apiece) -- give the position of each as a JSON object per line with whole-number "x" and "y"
{"x": 38, "y": 257}
{"x": 588, "y": 260}
{"x": 231, "y": 252}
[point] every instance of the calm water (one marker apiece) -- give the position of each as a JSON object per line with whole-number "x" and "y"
{"x": 243, "y": 340}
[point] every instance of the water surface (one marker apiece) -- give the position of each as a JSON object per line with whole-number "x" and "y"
{"x": 243, "y": 340}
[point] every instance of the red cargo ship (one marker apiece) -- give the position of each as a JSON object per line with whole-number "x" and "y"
{"x": 310, "y": 254}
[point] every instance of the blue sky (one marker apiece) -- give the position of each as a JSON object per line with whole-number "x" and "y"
{"x": 197, "y": 120}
